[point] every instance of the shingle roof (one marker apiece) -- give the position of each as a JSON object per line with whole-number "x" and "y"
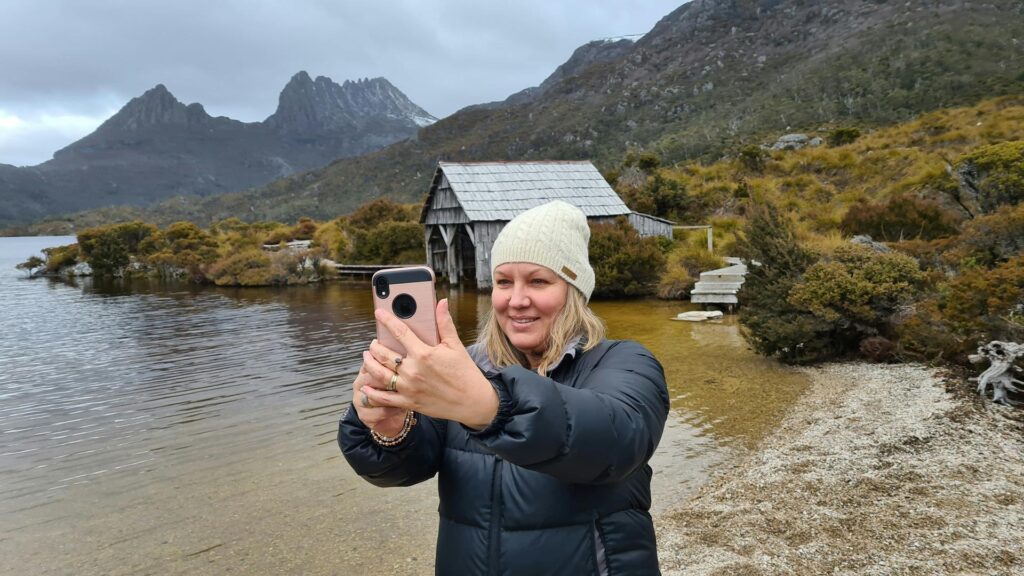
{"x": 490, "y": 191}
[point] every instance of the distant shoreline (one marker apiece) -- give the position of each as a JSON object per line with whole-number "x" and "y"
{"x": 877, "y": 469}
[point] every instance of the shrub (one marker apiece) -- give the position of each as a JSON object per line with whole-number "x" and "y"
{"x": 858, "y": 292}
{"x": 989, "y": 240}
{"x": 624, "y": 263}
{"x": 61, "y": 256}
{"x": 900, "y": 217}
{"x": 249, "y": 267}
{"x": 996, "y": 174}
{"x": 753, "y": 158}
{"x": 648, "y": 161}
{"x": 190, "y": 248}
{"x": 843, "y": 136}
{"x": 925, "y": 335}
{"x": 982, "y": 305}
{"x": 389, "y": 243}
{"x": 379, "y": 211}
{"x": 104, "y": 250}
{"x": 304, "y": 230}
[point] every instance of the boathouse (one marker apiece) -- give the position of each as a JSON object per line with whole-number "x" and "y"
{"x": 470, "y": 202}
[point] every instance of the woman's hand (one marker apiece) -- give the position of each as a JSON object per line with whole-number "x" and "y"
{"x": 440, "y": 381}
{"x": 383, "y": 420}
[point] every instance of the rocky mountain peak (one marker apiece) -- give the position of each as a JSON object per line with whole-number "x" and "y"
{"x": 156, "y": 106}
{"x": 314, "y": 106}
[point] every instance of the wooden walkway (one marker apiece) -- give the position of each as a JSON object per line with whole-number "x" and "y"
{"x": 720, "y": 286}
{"x": 361, "y": 269}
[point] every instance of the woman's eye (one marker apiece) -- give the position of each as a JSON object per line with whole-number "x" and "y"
{"x": 538, "y": 281}
{"x": 504, "y": 283}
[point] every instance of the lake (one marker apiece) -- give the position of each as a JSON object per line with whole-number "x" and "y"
{"x": 151, "y": 427}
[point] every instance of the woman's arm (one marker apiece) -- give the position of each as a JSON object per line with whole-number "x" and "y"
{"x": 412, "y": 461}
{"x": 602, "y": 431}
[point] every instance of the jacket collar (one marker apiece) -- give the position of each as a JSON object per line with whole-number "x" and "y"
{"x": 479, "y": 356}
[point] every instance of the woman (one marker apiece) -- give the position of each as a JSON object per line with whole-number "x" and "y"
{"x": 539, "y": 433}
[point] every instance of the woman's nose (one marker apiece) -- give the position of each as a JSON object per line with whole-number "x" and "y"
{"x": 519, "y": 297}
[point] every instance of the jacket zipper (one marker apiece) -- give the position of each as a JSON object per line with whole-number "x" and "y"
{"x": 494, "y": 545}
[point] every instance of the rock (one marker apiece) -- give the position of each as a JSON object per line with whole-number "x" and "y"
{"x": 80, "y": 269}
{"x": 699, "y": 315}
{"x": 791, "y": 142}
{"x": 815, "y": 142}
{"x": 865, "y": 240}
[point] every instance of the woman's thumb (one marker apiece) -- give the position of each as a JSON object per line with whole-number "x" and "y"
{"x": 445, "y": 325}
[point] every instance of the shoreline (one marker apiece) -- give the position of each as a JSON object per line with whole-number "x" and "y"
{"x": 877, "y": 469}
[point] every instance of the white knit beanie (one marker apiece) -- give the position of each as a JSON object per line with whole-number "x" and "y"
{"x": 554, "y": 235}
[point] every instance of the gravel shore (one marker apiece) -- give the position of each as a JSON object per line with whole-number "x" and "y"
{"x": 877, "y": 469}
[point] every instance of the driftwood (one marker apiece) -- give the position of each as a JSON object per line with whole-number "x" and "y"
{"x": 999, "y": 374}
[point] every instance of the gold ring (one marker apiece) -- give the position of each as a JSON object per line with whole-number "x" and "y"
{"x": 366, "y": 402}
{"x": 393, "y": 384}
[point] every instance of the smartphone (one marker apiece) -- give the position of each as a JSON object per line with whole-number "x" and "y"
{"x": 408, "y": 293}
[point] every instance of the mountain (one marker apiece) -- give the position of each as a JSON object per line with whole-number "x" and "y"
{"x": 708, "y": 78}
{"x": 711, "y": 76}
{"x": 156, "y": 147}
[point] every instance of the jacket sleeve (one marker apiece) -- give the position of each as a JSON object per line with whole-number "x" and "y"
{"x": 413, "y": 461}
{"x": 598, "y": 432}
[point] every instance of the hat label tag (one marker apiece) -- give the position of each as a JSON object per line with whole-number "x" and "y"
{"x": 568, "y": 272}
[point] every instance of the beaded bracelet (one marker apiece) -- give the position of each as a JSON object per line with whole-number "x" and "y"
{"x": 410, "y": 421}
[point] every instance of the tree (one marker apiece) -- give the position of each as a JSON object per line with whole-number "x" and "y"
{"x": 30, "y": 265}
{"x": 772, "y": 324}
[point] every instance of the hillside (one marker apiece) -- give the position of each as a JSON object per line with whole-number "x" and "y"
{"x": 156, "y": 147}
{"x": 708, "y": 78}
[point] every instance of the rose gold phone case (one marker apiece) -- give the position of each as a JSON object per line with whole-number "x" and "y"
{"x": 418, "y": 282}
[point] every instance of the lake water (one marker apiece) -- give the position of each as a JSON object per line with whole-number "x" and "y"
{"x": 148, "y": 427}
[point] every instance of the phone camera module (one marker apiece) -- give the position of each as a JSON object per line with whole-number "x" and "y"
{"x": 381, "y": 286}
{"x": 404, "y": 306}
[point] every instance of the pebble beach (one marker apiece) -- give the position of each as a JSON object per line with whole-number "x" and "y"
{"x": 876, "y": 469}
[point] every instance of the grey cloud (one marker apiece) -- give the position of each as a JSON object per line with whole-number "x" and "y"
{"x": 234, "y": 56}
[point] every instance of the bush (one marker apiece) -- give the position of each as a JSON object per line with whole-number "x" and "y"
{"x": 982, "y": 305}
{"x": 996, "y": 174}
{"x": 380, "y": 211}
{"x": 129, "y": 235}
{"x": 988, "y": 240}
{"x": 104, "y": 250}
{"x": 858, "y": 292}
{"x": 753, "y": 158}
{"x": 843, "y": 136}
{"x": 389, "y": 243}
{"x": 901, "y": 217}
{"x": 250, "y": 267}
{"x": 659, "y": 196}
{"x": 624, "y": 263}
{"x": 61, "y": 257}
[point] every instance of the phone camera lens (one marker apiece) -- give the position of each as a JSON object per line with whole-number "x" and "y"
{"x": 404, "y": 306}
{"x": 381, "y": 286}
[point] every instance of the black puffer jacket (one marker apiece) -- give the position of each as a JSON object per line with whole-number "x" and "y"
{"x": 558, "y": 484}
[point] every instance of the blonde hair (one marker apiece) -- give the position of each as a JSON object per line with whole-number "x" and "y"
{"x": 575, "y": 319}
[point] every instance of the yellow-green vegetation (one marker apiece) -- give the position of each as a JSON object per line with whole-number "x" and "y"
{"x": 236, "y": 253}
{"x": 945, "y": 190}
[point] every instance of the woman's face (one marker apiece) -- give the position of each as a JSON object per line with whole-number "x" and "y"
{"x": 526, "y": 299}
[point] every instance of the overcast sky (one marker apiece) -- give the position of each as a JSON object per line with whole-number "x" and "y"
{"x": 67, "y": 65}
